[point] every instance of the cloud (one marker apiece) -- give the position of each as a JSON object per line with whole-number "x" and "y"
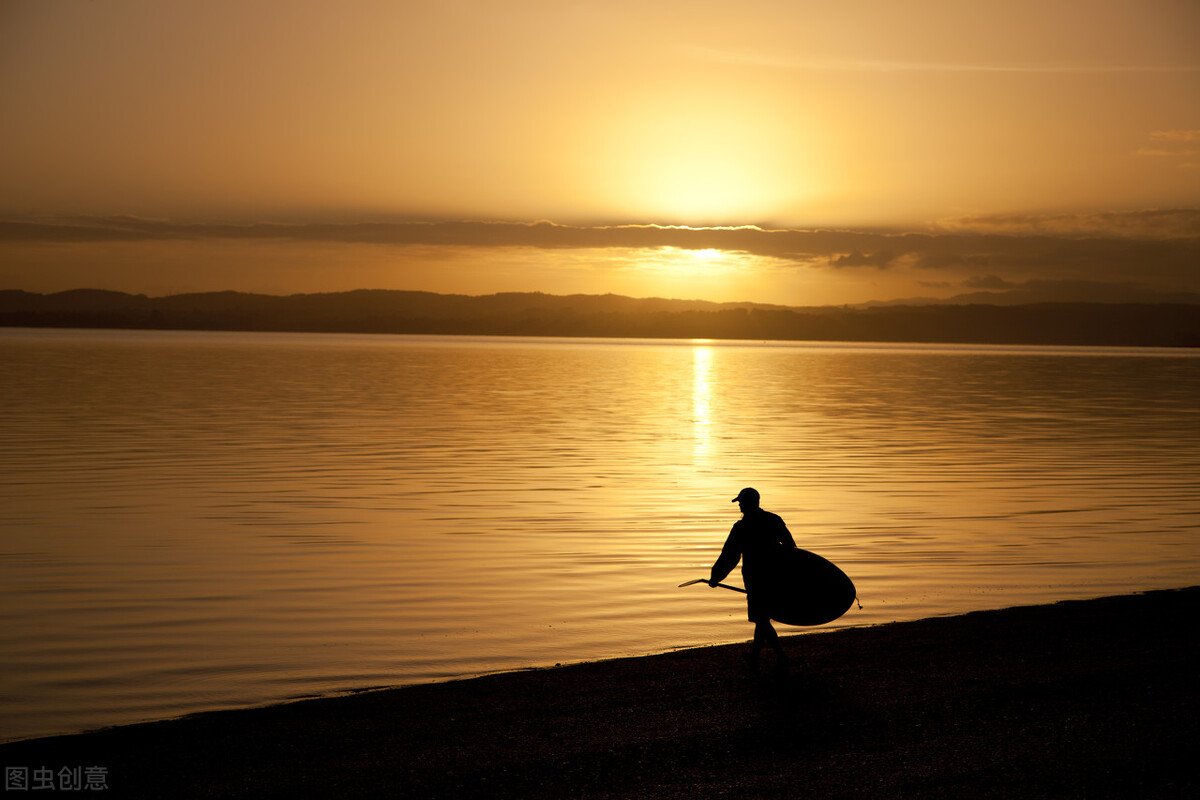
{"x": 881, "y": 260}
{"x": 955, "y": 261}
{"x": 1182, "y": 223}
{"x": 541, "y": 235}
{"x": 1155, "y": 245}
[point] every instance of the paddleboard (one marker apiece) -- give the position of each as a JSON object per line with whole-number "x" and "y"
{"x": 807, "y": 589}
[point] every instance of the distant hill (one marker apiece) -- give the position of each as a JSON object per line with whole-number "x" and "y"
{"x": 536, "y": 314}
{"x": 1055, "y": 291}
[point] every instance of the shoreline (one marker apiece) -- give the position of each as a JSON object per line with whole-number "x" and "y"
{"x": 1082, "y": 698}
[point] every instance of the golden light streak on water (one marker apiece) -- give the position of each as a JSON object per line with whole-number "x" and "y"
{"x": 702, "y": 400}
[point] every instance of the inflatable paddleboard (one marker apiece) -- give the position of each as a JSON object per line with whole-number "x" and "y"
{"x": 805, "y": 589}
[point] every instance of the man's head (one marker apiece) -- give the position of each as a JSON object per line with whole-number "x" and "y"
{"x": 747, "y": 499}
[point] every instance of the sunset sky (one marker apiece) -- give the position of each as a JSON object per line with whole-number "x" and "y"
{"x": 836, "y": 152}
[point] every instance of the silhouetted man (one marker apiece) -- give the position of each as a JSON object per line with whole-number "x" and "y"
{"x": 756, "y": 539}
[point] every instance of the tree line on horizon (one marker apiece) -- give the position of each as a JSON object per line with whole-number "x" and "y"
{"x": 537, "y": 314}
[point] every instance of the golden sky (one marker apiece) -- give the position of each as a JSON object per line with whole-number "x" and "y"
{"x": 1052, "y": 119}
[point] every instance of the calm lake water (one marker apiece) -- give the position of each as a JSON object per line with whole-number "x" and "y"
{"x": 192, "y": 521}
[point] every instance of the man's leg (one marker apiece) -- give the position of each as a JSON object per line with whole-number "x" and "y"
{"x": 764, "y": 633}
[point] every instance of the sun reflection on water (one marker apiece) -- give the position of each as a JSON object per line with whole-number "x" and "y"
{"x": 701, "y": 399}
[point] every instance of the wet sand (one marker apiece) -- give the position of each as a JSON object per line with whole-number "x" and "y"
{"x": 1089, "y": 699}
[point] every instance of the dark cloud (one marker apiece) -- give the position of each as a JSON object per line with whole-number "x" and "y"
{"x": 881, "y": 260}
{"x": 1180, "y": 223}
{"x": 1171, "y": 259}
{"x": 543, "y": 235}
{"x": 955, "y": 261}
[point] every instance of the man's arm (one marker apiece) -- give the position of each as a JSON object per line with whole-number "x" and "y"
{"x": 731, "y": 553}
{"x": 785, "y": 536}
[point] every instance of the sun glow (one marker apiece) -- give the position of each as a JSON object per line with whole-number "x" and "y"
{"x": 678, "y": 262}
{"x": 705, "y": 153}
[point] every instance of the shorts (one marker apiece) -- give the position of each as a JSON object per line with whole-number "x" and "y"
{"x": 759, "y": 605}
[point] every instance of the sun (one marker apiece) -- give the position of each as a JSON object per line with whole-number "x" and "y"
{"x": 702, "y": 184}
{"x": 702, "y": 154}
{"x": 681, "y": 263}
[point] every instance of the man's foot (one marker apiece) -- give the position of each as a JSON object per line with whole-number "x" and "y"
{"x": 751, "y": 660}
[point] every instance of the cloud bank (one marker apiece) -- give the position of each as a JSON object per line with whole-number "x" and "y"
{"x": 1170, "y": 224}
{"x": 1160, "y": 248}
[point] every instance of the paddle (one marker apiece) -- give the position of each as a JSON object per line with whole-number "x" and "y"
{"x": 722, "y": 585}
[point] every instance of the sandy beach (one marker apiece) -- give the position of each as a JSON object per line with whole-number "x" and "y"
{"x": 1090, "y": 699}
